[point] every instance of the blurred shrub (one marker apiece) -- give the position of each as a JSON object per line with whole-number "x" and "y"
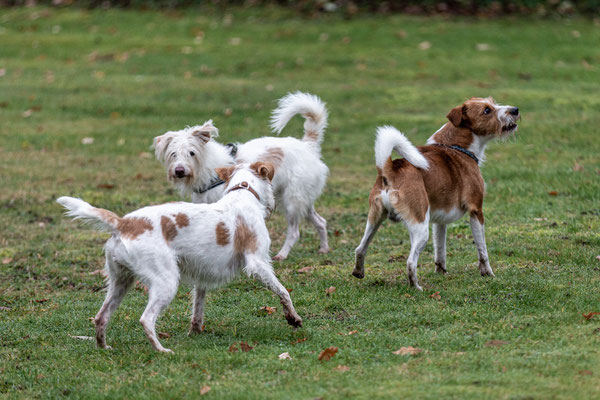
{"x": 351, "y": 7}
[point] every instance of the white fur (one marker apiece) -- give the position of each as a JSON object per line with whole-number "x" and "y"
{"x": 441, "y": 216}
{"x": 388, "y": 139}
{"x": 193, "y": 254}
{"x": 299, "y": 180}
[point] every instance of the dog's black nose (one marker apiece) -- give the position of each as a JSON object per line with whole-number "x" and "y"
{"x": 514, "y": 111}
{"x": 179, "y": 172}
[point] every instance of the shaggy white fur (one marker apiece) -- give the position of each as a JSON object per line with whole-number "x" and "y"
{"x": 191, "y": 155}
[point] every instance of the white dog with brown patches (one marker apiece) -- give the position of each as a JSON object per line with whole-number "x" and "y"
{"x": 437, "y": 183}
{"x": 206, "y": 245}
{"x": 191, "y": 155}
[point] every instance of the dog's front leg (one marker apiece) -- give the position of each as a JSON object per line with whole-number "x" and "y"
{"x": 198, "y": 311}
{"x": 477, "y": 228}
{"x": 263, "y": 272}
{"x": 439, "y": 244}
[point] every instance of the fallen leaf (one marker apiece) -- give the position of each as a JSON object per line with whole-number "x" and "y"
{"x": 228, "y": 112}
{"x": 106, "y": 186}
{"x": 204, "y": 390}
{"x": 284, "y": 356}
{"x": 301, "y": 340}
{"x": 342, "y": 368}
{"x": 496, "y": 343}
{"x": 27, "y": 114}
{"x": 41, "y": 300}
{"x": 585, "y": 372}
{"x": 233, "y": 348}
{"x": 245, "y": 347}
{"x": 436, "y": 296}
{"x": 305, "y": 270}
{"x": 409, "y": 350}
{"x": 81, "y": 337}
{"x": 235, "y": 41}
{"x": 2, "y": 308}
{"x": 328, "y": 353}
{"x": 598, "y": 258}
{"x": 540, "y": 219}
{"x": 87, "y": 140}
{"x": 577, "y": 167}
{"x": 164, "y": 335}
{"x": 589, "y": 316}
{"x": 330, "y": 290}
{"x": 482, "y": 46}
{"x": 408, "y": 296}
{"x": 424, "y": 45}
{"x": 98, "y": 272}
{"x": 268, "y": 310}
{"x": 145, "y": 154}
{"x": 40, "y": 376}
{"x": 553, "y": 193}
{"x": 8, "y": 259}
{"x": 352, "y": 332}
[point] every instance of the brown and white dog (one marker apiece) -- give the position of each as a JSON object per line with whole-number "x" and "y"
{"x": 437, "y": 183}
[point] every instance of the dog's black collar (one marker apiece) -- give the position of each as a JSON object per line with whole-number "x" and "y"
{"x": 461, "y": 149}
{"x": 232, "y": 149}
{"x": 211, "y": 185}
{"x": 217, "y": 181}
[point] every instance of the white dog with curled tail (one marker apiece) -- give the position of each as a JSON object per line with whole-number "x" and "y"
{"x": 206, "y": 245}
{"x": 191, "y": 155}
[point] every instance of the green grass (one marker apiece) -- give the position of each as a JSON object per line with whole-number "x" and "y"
{"x": 124, "y": 77}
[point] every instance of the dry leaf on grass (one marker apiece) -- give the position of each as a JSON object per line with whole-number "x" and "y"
{"x": 586, "y": 372}
{"x": 245, "y": 347}
{"x": 81, "y": 337}
{"x": 589, "y": 316}
{"x": 268, "y": 310}
{"x": 409, "y": 350}
{"x": 41, "y": 300}
{"x": 233, "y": 348}
{"x": 8, "y": 259}
{"x": 496, "y": 343}
{"x": 577, "y": 167}
{"x": 301, "y": 340}
{"x": 352, "y": 332}
{"x": 204, "y": 390}
{"x": 330, "y": 290}
{"x": 436, "y": 296}
{"x": 328, "y": 353}
{"x": 284, "y": 356}
{"x": 106, "y": 186}
{"x": 342, "y": 368}
{"x": 553, "y": 193}
{"x": 304, "y": 270}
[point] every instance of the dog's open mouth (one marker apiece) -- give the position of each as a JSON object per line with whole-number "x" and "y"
{"x": 510, "y": 127}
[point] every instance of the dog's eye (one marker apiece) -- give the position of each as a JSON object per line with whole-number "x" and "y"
{"x": 192, "y": 153}
{"x": 172, "y": 155}
{"x": 487, "y": 110}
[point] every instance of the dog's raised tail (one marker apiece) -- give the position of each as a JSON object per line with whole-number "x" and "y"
{"x": 78, "y": 209}
{"x": 389, "y": 139}
{"x": 312, "y": 109}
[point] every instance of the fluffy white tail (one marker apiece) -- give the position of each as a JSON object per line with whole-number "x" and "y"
{"x": 390, "y": 138}
{"x": 312, "y": 109}
{"x": 103, "y": 219}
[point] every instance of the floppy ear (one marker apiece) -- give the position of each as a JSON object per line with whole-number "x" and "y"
{"x": 206, "y": 131}
{"x": 265, "y": 170}
{"x": 224, "y": 173}
{"x": 456, "y": 115}
{"x": 161, "y": 144}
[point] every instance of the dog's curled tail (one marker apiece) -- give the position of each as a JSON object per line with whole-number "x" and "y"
{"x": 312, "y": 109}
{"x": 389, "y": 139}
{"x": 78, "y": 209}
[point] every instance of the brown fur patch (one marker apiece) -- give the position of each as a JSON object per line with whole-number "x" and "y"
{"x": 244, "y": 240}
{"x": 182, "y": 220}
{"x": 222, "y": 234}
{"x": 274, "y": 155}
{"x": 311, "y": 135}
{"x": 265, "y": 170}
{"x": 376, "y": 209}
{"x": 169, "y": 229}
{"x": 133, "y": 227}
{"x": 108, "y": 216}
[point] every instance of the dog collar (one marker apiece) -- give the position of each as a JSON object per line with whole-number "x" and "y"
{"x": 232, "y": 149}
{"x": 245, "y": 185}
{"x": 461, "y": 149}
{"x": 211, "y": 185}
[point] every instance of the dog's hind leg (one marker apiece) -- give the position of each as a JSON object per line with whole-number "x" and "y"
{"x": 377, "y": 215}
{"x": 321, "y": 225}
{"x": 291, "y": 237}
{"x": 198, "y": 311}
{"x": 419, "y": 234}
{"x": 439, "y": 244}
{"x": 478, "y": 230}
{"x": 119, "y": 283}
{"x": 263, "y": 272}
{"x": 162, "y": 288}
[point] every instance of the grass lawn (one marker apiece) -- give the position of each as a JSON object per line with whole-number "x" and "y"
{"x": 123, "y": 77}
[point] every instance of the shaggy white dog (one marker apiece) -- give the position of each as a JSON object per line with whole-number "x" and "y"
{"x": 191, "y": 155}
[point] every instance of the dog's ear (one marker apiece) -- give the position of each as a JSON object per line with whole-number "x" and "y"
{"x": 161, "y": 144}
{"x": 457, "y": 115}
{"x": 224, "y": 173}
{"x": 206, "y": 131}
{"x": 265, "y": 170}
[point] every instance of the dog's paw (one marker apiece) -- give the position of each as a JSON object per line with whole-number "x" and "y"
{"x": 358, "y": 273}
{"x": 294, "y": 320}
{"x": 323, "y": 250}
{"x": 166, "y": 351}
{"x": 278, "y": 257}
{"x": 440, "y": 268}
